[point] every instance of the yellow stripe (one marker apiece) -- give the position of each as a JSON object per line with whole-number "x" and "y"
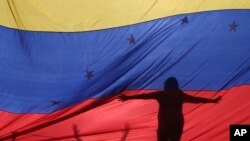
{"x": 85, "y": 15}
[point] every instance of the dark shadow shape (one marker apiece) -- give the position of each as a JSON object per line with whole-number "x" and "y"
{"x": 170, "y": 116}
{"x": 94, "y": 104}
{"x": 13, "y": 136}
{"x": 125, "y": 133}
{"x": 76, "y": 132}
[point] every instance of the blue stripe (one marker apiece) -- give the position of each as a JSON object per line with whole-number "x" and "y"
{"x": 203, "y": 54}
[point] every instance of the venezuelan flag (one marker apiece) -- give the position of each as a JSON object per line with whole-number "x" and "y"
{"x": 63, "y": 64}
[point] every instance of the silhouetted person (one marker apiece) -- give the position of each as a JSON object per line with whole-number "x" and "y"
{"x": 170, "y": 116}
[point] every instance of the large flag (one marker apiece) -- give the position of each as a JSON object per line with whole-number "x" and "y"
{"x": 64, "y": 63}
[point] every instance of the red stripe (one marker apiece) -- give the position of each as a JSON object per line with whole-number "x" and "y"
{"x": 107, "y": 122}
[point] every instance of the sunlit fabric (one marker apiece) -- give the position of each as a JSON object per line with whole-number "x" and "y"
{"x": 61, "y": 81}
{"x": 87, "y": 15}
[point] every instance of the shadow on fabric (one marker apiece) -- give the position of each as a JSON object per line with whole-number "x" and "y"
{"x": 170, "y": 116}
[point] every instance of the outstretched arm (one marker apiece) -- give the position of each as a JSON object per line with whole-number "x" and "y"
{"x": 192, "y": 99}
{"x": 140, "y": 96}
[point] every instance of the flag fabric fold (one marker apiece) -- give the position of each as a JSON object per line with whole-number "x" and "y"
{"x": 62, "y": 68}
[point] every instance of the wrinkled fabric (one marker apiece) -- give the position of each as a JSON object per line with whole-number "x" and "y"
{"x": 65, "y": 85}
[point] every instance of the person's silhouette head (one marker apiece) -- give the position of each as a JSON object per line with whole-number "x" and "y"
{"x": 171, "y": 84}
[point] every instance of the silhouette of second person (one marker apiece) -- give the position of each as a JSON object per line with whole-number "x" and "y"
{"x": 170, "y": 116}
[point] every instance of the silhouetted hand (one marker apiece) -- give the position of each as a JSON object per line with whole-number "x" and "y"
{"x": 123, "y": 97}
{"x": 127, "y": 127}
{"x": 216, "y": 100}
{"x": 125, "y": 134}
